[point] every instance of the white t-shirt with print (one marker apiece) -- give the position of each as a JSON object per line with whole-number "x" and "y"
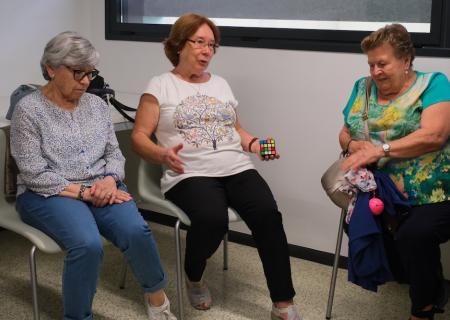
{"x": 202, "y": 117}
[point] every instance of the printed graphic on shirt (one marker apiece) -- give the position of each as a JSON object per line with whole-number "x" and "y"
{"x": 204, "y": 120}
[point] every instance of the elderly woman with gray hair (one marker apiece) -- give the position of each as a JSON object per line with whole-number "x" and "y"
{"x": 70, "y": 179}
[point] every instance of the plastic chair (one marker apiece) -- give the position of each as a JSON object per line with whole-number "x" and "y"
{"x": 10, "y": 220}
{"x": 337, "y": 254}
{"x": 149, "y": 176}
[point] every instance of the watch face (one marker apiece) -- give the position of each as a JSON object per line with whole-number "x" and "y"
{"x": 386, "y": 148}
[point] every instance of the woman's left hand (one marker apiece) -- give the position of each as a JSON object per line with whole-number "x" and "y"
{"x": 369, "y": 153}
{"x": 104, "y": 191}
{"x": 256, "y": 149}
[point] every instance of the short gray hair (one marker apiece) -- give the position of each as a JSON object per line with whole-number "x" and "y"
{"x": 68, "y": 49}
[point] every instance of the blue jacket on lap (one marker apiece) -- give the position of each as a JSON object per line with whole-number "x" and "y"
{"x": 368, "y": 266}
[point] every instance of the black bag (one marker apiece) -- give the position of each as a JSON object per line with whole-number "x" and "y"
{"x": 102, "y": 89}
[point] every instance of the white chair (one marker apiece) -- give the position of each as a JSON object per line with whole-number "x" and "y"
{"x": 10, "y": 220}
{"x": 149, "y": 190}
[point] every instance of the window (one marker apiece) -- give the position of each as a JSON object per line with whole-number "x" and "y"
{"x": 322, "y": 25}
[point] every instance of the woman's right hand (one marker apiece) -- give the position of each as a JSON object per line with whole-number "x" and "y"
{"x": 171, "y": 159}
{"x": 119, "y": 197}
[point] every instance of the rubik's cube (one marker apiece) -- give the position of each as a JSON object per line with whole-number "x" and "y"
{"x": 267, "y": 148}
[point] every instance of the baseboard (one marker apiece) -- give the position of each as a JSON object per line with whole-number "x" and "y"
{"x": 296, "y": 251}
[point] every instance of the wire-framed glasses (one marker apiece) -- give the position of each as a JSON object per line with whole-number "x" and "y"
{"x": 201, "y": 43}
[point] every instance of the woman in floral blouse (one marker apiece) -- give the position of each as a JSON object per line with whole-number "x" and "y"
{"x": 409, "y": 127}
{"x": 70, "y": 179}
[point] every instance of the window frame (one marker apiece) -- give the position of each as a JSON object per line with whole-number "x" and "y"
{"x": 436, "y": 43}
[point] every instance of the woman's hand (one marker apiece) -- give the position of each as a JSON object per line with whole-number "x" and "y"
{"x": 103, "y": 192}
{"x": 357, "y": 145}
{"x": 256, "y": 149}
{"x": 367, "y": 153}
{"x": 119, "y": 197}
{"x": 171, "y": 159}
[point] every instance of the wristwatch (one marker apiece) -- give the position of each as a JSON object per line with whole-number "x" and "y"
{"x": 386, "y": 148}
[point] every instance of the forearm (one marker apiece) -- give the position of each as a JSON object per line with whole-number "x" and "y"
{"x": 344, "y": 138}
{"x": 146, "y": 148}
{"x": 115, "y": 161}
{"x": 71, "y": 191}
{"x": 44, "y": 182}
{"x": 246, "y": 138}
{"x": 417, "y": 143}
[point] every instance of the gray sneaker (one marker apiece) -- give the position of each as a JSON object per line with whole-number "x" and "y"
{"x": 198, "y": 294}
{"x": 160, "y": 313}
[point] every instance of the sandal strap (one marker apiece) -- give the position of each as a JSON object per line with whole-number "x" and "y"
{"x": 429, "y": 314}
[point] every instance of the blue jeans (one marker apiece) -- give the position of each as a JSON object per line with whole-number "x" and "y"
{"x": 76, "y": 226}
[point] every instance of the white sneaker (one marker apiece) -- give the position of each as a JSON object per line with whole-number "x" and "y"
{"x": 291, "y": 312}
{"x": 160, "y": 313}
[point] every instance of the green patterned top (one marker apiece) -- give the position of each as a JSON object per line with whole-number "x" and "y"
{"x": 426, "y": 178}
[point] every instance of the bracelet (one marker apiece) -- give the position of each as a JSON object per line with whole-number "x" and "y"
{"x": 348, "y": 145}
{"x": 81, "y": 192}
{"x": 250, "y": 144}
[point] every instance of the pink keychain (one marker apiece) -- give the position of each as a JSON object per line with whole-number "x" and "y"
{"x": 376, "y": 205}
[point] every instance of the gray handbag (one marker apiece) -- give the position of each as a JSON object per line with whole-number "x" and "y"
{"x": 333, "y": 178}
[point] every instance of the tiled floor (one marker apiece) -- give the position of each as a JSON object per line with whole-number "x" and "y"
{"x": 239, "y": 293}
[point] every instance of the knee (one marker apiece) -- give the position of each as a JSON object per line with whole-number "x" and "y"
{"x": 88, "y": 249}
{"x": 135, "y": 233}
{"x": 267, "y": 216}
{"x": 418, "y": 234}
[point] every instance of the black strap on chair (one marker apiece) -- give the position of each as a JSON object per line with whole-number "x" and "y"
{"x": 102, "y": 89}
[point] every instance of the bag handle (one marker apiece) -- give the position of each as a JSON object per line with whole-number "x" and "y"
{"x": 365, "y": 115}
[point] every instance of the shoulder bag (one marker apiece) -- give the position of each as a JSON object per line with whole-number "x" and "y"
{"x": 333, "y": 178}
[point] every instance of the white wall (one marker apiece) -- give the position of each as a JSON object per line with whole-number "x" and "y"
{"x": 25, "y": 28}
{"x": 294, "y": 96}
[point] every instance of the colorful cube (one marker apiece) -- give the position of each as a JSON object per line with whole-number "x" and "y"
{"x": 267, "y": 148}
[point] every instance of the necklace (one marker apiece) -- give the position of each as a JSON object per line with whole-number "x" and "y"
{"x": 194, "y": 85}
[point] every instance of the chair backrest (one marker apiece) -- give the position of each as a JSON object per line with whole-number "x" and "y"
{"x": 10, "y": 219}
{"x": 149, "y": 189}
{"x": 3, "y": 142}
{"x": 149, "y": 176}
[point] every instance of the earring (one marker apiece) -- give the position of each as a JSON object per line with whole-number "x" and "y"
{"x": 406, "y": 71}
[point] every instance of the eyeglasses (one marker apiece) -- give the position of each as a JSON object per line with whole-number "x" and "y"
{"x": 201, "y": 43}
{"x": 79, "y": 75}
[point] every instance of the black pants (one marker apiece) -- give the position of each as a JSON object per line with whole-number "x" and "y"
{"x": 418, "y": 240}
{"x": 206, "y": 200}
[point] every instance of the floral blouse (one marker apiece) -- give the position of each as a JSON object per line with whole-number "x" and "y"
{"x": 426, "y": 179}
{"x": 54, "y": 147}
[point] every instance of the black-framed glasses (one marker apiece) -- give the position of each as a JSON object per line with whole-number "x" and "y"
{"x": 201, "y": 43}
{"x": 79, "y": 75}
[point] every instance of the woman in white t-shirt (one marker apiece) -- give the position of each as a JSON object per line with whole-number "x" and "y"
{"x": 205, "y": 155}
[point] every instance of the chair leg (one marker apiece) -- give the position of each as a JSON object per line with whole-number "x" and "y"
{"x": 123, "y": 274}
{"x": 335, "y": 264}
{"x": 225, "y": 251}
{"x": 34, "y": 283}
{"x": 179, "y": 272}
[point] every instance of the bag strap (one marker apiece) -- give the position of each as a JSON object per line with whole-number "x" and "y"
{"x": 365, "y": 115}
